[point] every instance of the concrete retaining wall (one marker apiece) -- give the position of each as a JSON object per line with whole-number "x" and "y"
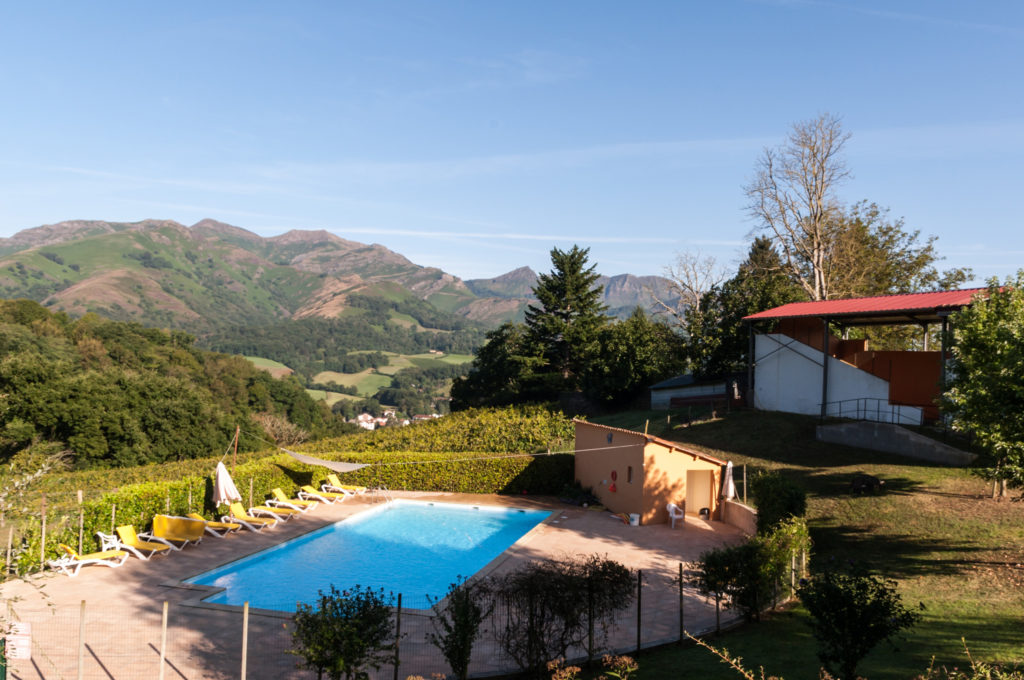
{"x": 741, "y": 516}
{"x": 893, "y": 439}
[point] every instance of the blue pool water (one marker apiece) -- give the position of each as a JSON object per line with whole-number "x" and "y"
{"x": 407, "y": 547}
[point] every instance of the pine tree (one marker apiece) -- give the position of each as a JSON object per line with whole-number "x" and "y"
{"x": 570, "y": 317}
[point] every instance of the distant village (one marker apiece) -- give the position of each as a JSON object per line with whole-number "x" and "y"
{"x": 389, "y": 419}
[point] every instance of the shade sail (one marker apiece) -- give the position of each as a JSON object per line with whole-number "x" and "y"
{"x": 337, "y": 466}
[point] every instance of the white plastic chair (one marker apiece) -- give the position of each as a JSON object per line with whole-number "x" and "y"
{"x": 674, "y": 513}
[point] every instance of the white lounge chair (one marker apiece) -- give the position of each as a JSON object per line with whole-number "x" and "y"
{"x": 674, "y": 513}
{"x": 71, "y": 562}
{"x": 249, "y": 521}
{"x": 280, "y": 500}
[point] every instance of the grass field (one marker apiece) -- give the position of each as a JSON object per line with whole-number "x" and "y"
{"x": 331, "y": 398}
{"x": 934, "y": 531}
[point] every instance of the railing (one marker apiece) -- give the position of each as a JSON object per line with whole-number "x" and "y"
{"x": 382, "y": 493}
{"x": 874, "y": 409}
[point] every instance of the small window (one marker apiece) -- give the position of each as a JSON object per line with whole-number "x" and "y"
{"x": 629, "y": 474}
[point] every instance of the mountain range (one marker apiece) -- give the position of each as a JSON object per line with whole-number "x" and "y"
{"x": 213, "y": 275}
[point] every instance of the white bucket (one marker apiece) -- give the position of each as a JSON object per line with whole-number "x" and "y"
{"x": 634, "y": 519}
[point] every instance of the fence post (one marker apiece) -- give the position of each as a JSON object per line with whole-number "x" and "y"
{"x": 81, "y": 643}
{"x": 590, "y": 622}
{"x": 744, "y": 484}
{"x": 792, "y": 573}
{"x": 682, "y": 626}
{"x": 398, "y": 634}
{"x": 163, "y": 641}
{"x": 81, "y": 521}
{"x": 250, "y": 492}
{"x": 10, "y": 541}
{"x": 639, "y": 605}
{"x": 245, "y": 637}
{"x": 113, "y": 515}
{"x": 42, "y": 542}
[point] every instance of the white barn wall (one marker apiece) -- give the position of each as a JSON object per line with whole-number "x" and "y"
{"x": 787, "y": 377}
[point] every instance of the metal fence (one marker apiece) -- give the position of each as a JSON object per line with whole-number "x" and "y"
{"x": 179, "y": 641}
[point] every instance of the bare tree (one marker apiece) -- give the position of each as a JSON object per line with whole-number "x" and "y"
{"x": 691, "y": 277}
{"x": 793, "y": 197}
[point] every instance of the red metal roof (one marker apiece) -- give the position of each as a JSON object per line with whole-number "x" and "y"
{"x": 887, "y": 306}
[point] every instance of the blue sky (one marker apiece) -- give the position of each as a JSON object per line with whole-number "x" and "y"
{"x": 476, "y": 136}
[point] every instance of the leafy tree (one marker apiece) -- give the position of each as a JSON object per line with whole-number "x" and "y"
{"x": 345, "y": 634}
{"x": 717, "y": 337}
{"x": 505, "y": 371}
{"x": 985, "y": 394}
{"x": 852, "y": 613}
{"x": 457, "y": 620}
{"x": 634, "y": 354}
{"x": 566, "y": 324}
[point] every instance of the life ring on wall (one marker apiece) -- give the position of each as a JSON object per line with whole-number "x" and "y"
{"x": 611, "y": 487}
{"x": 615, "y": 475}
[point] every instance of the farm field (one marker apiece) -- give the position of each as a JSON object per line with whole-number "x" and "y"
{"x": 934, "y": 530}
{"x": 274, "y": 368}
{"x": 331, "y": 398}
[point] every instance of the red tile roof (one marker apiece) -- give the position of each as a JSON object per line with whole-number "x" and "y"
{"x": 889, "y": 306}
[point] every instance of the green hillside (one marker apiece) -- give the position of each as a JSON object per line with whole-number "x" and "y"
{"x": 116, "y": 394}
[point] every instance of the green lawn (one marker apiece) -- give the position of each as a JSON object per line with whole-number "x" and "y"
{"x": 933, "y": 530}
{"x": 331, "y": 398}
{"x": 260, "y": 362}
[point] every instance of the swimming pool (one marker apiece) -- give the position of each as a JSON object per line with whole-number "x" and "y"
{"x": 407, "y": 547}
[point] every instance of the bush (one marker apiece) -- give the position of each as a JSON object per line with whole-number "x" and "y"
{"x": 752, "y": 573}
{"x": 457, "y": 619}
{"x": 345, "y": 633}
{"x": 853, "y": 612}
{"x": 548, "y": 607}
{"x": 777, "y": 498}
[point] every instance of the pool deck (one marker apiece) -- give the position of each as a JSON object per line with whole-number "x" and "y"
{"x": 124, "y": 605}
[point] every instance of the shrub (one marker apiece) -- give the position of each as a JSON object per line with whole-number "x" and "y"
{"x": 457, "y": 619}
{"x": 777, "y": 498}
{"x": 345, "y": 633}
{"x": 853, "y": 612}
{"x": 547, "y": 607}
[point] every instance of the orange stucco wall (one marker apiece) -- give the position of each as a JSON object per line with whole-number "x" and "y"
{"x": 665, "y": 482}
{"x": 658, "y": 474}
{"x": 596, "y": 460}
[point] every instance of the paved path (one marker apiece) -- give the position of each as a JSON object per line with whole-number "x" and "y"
{"x": 124, "y": 606}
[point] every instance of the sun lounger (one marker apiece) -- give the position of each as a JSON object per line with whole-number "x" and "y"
{"x": 71, "y": 562}
{"x": 280, "y": 500}
{"x": 282, "y": 514}
{"x": 218, "y": 529}
{"x": 334, "y": 484}
{"x": 175, "y": 531}
{"x": 127, "y": 539}
{"x": 250, "y": 522}
{"x": 308, "y": 492}
{"x": 130, "y": 541}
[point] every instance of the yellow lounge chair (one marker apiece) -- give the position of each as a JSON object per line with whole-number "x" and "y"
{"x": 239, "y": 515}
{"x": 334, "y": 484}
{"x": 71, "y": 562}
{"x": 282, "y": 514}
{"x": 308, "y": 492}
{"x": 215, "y": 528}
{"x": 175, "y": 531}
{"x": 131, "y": 542}
{"x": 280, "y": 500}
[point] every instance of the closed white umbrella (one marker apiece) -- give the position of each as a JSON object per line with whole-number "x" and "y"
{"x": 728, "y": 486}
{"x": 224, "y": 490}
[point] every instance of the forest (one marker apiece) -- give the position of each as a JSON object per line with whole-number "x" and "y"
{"x": 113, "y": 394}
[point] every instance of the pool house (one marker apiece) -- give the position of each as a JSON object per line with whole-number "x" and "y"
{"x": 636, "y": 473}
